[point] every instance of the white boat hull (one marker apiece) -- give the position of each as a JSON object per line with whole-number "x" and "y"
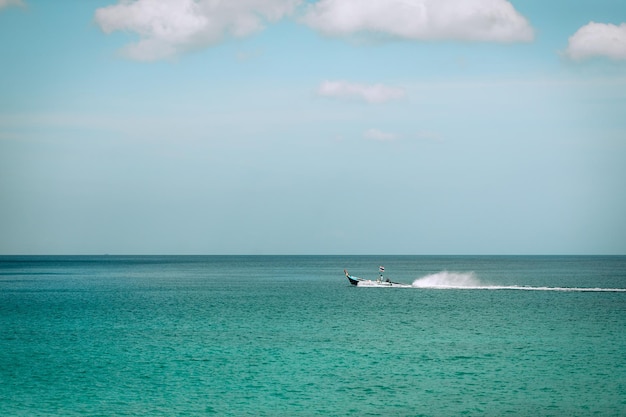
{"x": 379, "y": 283}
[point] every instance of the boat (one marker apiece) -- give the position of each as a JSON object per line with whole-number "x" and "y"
{"x": 380, "y": 282}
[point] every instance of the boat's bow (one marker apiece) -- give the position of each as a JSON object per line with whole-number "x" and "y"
{"x": 353, "y": 280}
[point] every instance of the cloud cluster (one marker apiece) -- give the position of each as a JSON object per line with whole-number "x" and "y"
{"x": 376, "y": 93}
{"x": 598, "y": 40}
{"x": 466, "y": 20}
{"x": 169, "y": 27}
{"x": 7, "y": 3}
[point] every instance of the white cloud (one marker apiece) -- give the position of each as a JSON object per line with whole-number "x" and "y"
{"x": 466, "y": 20}
{"x": 379, "y": 135}
{"x": 169, "y": 27}
{"x": 376, "y": 93}
{"x": 7, "y": 3}
{"x": 598, "y": 39}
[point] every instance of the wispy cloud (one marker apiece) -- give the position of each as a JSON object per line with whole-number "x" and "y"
{"x": 598, "y": 40}
{"x": 382, "y": 136}
{"x": 428, "y": 135}
{"x": 379, "y": 135}
{"x": 168, "y": 28}
{"x": 466, "y": 20}
{"x": 7, "y": 3}
{"x": 374, "y": 93}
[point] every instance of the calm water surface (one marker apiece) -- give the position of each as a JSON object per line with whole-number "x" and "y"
{"x": 287, "y": 335}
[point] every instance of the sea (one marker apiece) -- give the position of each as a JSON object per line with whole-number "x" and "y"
{"x": 289, "y": 336}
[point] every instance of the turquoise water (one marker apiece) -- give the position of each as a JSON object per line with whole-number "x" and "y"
{"x": 287, "y": 335}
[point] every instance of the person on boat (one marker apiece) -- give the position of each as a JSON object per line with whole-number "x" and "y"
{"x": 381, "y": 269}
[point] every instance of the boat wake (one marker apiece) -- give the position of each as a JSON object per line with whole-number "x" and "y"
{"x": 469, "y": 281}
{"x": 447, "y": 279}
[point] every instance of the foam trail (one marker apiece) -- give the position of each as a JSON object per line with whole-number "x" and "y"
{"x": 447, "y": 279}
{"x": 469, "y": 281}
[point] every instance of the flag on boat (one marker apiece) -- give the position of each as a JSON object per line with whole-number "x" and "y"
{"x": 381, "y": 268}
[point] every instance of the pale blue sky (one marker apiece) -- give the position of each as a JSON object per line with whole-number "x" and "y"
{"x": 310, "y": 134}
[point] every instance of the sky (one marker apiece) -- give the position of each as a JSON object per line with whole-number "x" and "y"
{"x": 313, "y": 127}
